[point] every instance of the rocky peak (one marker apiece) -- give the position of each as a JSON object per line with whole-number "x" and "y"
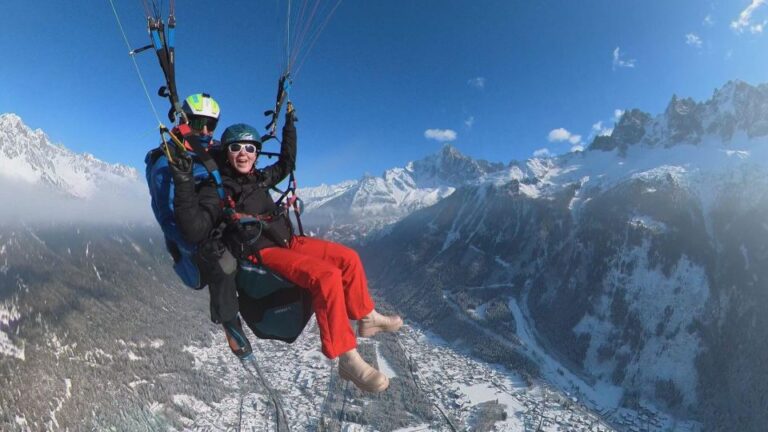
{"x": 736, "y": 107}
{"x": 629, "y": 131}
{"x": 450, "y": 167}
{"x": 684, "y": 120}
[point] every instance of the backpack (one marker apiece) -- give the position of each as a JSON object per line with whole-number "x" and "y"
{"x": 160, "y": 183}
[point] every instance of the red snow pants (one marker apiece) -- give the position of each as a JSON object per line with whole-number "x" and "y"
{"x": 334, "y": 275}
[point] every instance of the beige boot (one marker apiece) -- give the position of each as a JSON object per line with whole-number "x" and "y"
{"x": 375, "y": 322}
{"x": 353, "y": 368}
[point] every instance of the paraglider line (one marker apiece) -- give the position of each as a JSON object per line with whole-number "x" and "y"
{"x": 343, "y": 405}
{"x": 316, "y": 36}
{"x": 288, "y": 37}
{"x": 281, "y": 421}
{"x": 301, "y": 35}
{"x": 240, "y": 413}
{"x": 416, "y": 381}
{"x": 135, "y": 64}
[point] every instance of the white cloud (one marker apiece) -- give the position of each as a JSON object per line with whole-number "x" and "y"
{"x": 542, "y": 153}
{"x": 693, "y": 40}
{"x": 469, "y": 122}
{"x": 560, "y": 135}
{"x": 597, "y": 126}
{"x": 442, "y": 135}
{"x": 577, "y": 148}
{"x": 477, "y": 82}
{"x": 620, "y": 62}
{"x": 744, "y": 22}
{"x": 598, "y": 129}
{"x": 601, "y": 129}
{"x": 708, "y": 21}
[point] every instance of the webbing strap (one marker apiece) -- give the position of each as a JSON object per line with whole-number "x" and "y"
{"x": 164, "y": 48}
{"x": 208, "y": 163}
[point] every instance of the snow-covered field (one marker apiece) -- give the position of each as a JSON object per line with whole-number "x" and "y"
{"x": 9, "y": 315}
{"x": 459, "y": 383}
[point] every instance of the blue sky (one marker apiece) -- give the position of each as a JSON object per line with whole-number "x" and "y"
{"x": 500, "y": 79}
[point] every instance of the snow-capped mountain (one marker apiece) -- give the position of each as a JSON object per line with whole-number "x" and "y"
{"x": 28, "y": 155}
{"x": 736, "y": 109}
{"x": 65, "y": 186}
{"x": 359, "y": 206}
{"x": 640, "y": 262}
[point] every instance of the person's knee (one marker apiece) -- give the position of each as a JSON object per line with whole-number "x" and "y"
{"x": 328, "y": 279}
{"x": 349, "y": 256}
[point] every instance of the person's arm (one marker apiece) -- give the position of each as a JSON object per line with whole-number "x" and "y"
{"x": 197, "y": 212}
{"x": 286, "y": 163}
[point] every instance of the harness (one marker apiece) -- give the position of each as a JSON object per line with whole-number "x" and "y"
{"x": 250, "y": 227}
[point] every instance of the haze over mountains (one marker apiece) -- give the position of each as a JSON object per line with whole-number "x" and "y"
{"x": 629, "y": 277}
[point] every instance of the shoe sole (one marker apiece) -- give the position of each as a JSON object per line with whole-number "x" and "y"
{"x": 345, "y": 376}
{"x": 370, "y": 331}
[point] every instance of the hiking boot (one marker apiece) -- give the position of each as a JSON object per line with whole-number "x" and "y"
{"x": 236, "y": 339}
{"x": 353, "y": 368}
{"x": 375, "y": 322}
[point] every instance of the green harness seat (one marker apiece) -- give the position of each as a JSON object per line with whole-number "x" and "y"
{"x": 271, "y": 306}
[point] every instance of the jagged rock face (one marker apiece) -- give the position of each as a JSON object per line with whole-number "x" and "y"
{"x": 737, "y": 107}
{"x": 630, "y": 130}
{"x": 30, "y": 156}
{"x": 451, "y": 168}
{"x": 684, "y": 120}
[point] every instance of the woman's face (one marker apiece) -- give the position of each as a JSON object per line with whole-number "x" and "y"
{"x": 242, "y": 157}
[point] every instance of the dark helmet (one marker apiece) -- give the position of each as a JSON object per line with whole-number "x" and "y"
{"x": 241, "y": 133}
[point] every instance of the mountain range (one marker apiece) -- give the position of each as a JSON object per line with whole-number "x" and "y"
{"x": 29, "y": 155}
{"x": 353, "y": 209}
{"x": 639, "y": 263}
{"x": 628, "y": 277}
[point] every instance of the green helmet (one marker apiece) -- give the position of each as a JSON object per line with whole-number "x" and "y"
{"x": 241, "y": 133}
{"x": 201, "y": 104}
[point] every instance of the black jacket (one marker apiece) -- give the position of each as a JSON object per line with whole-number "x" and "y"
{"x": 198, "y": 209}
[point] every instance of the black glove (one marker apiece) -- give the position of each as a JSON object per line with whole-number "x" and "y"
{"x": 180, "y": 164}
{"x": 290, "y": 113}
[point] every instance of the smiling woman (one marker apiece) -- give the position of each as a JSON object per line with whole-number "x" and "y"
{"x": 243, "y": 144}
